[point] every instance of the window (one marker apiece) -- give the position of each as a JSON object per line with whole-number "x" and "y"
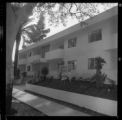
{"x": 61, "y": 46}
{"x": 95, "y": 36}
{"x": 30, "y": 54}
{"x": 71, "y": 65}
{"x": 91, "y": 63}
{"x": 72, "y": 42}
{"x": 44, "y": 50}
{"x": 28, "y": 68}
{"x": 60, "y": 66}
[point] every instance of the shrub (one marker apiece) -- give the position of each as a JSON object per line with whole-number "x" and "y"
{"x": 24, "y": 74}
{"x": 18, "y": 73}
{"x": 73, "y": 79}
{"x": 112, "y": 84}
{"x": 99, "y": 77}
{"x": 99, "y": 64}
{"x": 44, "y": 72}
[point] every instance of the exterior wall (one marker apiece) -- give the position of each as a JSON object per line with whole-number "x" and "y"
{"x": 103, "y": 48}
{"x": 38, "y": 67}
{"x": 53, "y": 67}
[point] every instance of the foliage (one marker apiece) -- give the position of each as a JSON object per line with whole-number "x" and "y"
{"x": 24, "y": 74}
{"x": 99, "y": 63}
{"x": 73, "y": 79}
{"x": 18, "y": 73}
{"x": 59, "y": 12}
{"x": 112, "y": 84}
{"x": 35, "y": 32}
{"x": 44, "y": 71}
{"x": 99, "y": 77}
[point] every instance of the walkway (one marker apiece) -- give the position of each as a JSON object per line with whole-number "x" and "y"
{"x": 48, "y": 107}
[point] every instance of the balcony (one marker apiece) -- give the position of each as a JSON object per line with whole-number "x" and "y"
{"x": 35, "y": 59}
{"x": 113, "y": 43}
{"x": 110, "y": 41}
{"x": 55, "y": 54}
{"x": 22, "y": 61}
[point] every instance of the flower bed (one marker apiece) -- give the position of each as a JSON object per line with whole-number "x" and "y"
{"x": 81, "y": 88}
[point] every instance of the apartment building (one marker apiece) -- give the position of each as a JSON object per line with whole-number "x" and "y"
{"x": 74, "y": 50}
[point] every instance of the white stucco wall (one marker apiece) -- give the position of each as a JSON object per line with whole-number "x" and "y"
{"x": 106, "y": 48}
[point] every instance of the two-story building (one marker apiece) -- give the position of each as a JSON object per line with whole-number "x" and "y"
{"x": 76, "y": 48}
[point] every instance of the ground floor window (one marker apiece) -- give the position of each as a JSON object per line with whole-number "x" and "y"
{"x": 60, "y": 66}
{"x": 28, "y": 68}
{"x": 71, "y": 65}
{"x": 91, "y": 63}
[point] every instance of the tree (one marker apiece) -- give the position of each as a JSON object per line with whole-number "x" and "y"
{"x": 18, "y": 39}
{"x": 13, "y": 21}
{"x": 34, "y": 32}
{"x": 99, "y": 64}
{"x": 44, "y": 72}
{"x": 100, "y": 78}
{"x": 16, "y": 17}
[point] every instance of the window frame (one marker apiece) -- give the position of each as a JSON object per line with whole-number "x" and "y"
{"x": 72, "y": 42}
{"x": 95, "y": 36}
{"x": 92, "y": 62}
{"x": 44, "y": 49}
{"x": 30, "y": 54}
{"x": 60, "y": 66}
{"x": 71, "y": 65}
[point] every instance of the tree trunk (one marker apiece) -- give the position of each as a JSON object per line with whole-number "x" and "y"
{"x": 10, "y": 37}
{"x": 18, "y": 38}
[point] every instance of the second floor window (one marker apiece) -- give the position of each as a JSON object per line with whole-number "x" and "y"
{"x": 22, "y": 55}
{"x": 95, "y": 35}
{"x": 71, "y": 65}
{"x": 72, "y": 42}
{"x": 61, "y": 46}
{"x": 44, "y": 50}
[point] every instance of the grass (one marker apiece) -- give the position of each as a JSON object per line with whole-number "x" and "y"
{"x": 24, "y": 110}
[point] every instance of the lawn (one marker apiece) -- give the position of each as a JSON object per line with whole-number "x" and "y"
{"x": 24, "y": 110}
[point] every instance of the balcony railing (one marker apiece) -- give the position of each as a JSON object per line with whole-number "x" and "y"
{"x": 22, "y": 61}
{"x": 55, "y": 54}
{"x": 35, "y": 59}
{"x": 113, "y": 42}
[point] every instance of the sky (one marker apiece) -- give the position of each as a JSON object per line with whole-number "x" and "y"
{"x": 60, "y": 27}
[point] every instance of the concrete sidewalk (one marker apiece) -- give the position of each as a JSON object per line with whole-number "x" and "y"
{"x": 48, "y": 107}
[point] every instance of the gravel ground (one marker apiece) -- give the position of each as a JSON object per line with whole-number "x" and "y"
{"x": 24, "y": 110}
